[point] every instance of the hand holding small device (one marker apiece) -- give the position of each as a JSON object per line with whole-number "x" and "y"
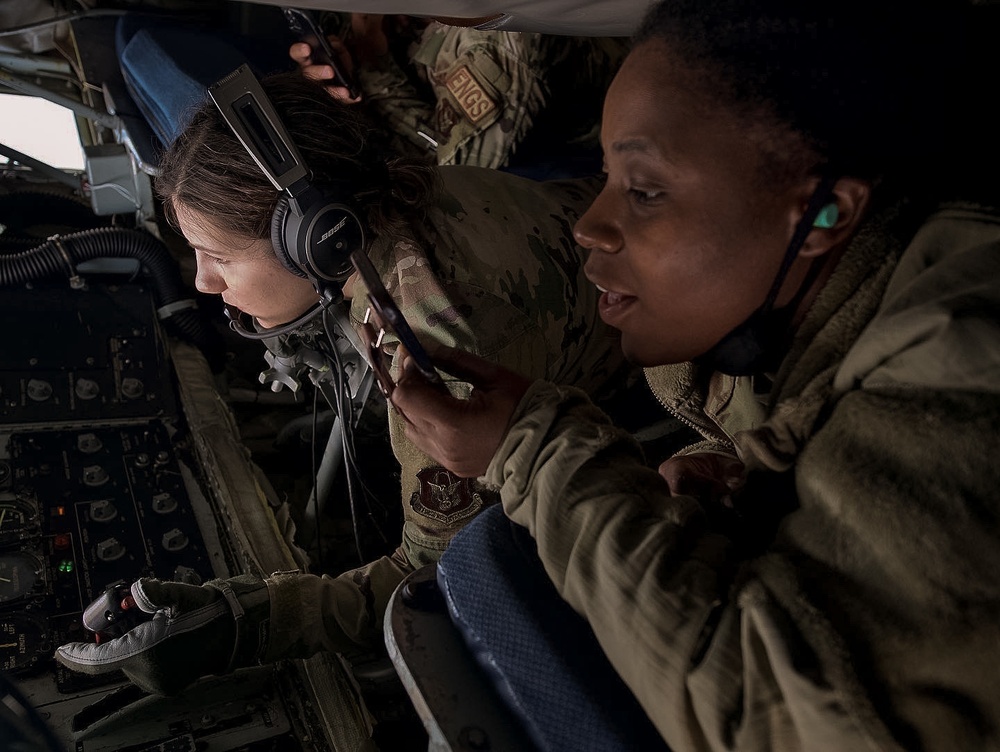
{"x": 304, "y": 26}
{"x": 165, "y": 635}
{"x": 113, "y": 613}
{"x": 461, "y": 433}
{"x": 386, "y": 315}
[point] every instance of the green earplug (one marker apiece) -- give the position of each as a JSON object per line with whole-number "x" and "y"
{"x": 827, "y": 217}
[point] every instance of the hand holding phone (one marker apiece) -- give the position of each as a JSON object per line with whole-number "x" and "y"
{"x": 304, "y": 26}
{"x": 385, "y": 312}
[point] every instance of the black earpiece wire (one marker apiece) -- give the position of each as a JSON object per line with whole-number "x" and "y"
{"x": 315, "y": 475}
{"x": 820, "y": 197}
{"x": 354, "y": 478}
{"x": 236, "y": 317}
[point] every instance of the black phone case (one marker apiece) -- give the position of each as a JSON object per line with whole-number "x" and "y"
{"x": 304, "y": 26}
{"x": 392, "y": 318}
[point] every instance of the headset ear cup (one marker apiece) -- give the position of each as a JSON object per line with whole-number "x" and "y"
{"x": 278, "y": 238}
{"x": 334, "y": 232}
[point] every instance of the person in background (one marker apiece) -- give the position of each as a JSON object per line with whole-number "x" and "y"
{"x": 460, "y": 95}
{"x": 473, "y": 257}
{"x": 799, "y": 239}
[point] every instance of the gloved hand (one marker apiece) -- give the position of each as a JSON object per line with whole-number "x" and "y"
{"x": 195, "y": 630}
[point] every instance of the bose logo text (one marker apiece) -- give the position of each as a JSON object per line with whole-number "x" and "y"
{"x": 336, "y": 228}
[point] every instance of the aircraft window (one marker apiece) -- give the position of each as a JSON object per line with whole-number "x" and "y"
{"x": 40, "y": 129}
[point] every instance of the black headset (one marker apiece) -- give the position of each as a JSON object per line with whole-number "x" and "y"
{"x": 313, "y": 229}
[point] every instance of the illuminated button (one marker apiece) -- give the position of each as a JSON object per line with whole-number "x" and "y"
{"x": 66, "y": 566}
{"x": 62, "y": 542}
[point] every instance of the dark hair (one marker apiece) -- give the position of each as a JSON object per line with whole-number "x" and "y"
{"x": 207, "y": 169}
{"x": 864, "y": 87}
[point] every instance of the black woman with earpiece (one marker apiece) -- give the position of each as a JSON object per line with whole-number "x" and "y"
{"x": 799, "y": 239}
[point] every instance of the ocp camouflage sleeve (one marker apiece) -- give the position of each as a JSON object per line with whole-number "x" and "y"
{"x": 404, "y": 109}
{"x": 436, "y": 504}
{"x": 494, "y": 270}
{"x": 487, "y": 89}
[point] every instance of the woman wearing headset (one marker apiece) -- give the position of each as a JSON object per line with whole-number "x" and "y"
{"x": 474, "y": 258}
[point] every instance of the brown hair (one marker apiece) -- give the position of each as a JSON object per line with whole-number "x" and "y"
{"x": 207, "y": 170}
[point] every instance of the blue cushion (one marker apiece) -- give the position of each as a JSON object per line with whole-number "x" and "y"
{"x": 540, "y": 654}
{"x": 168, "y": 65}
{"x": 168, "y": 71}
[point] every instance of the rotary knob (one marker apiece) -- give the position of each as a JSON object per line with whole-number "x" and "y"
{"x": 102, "y": 511}
{"x": 110, "y": 549}
{"x": 94, "y": 476}
{"x": 88, "y": 443}
{"x": 87, "y": 389}
{"x": 132, "y": 388}
{"x": 39, "y": 390}
{"x": 174, "y": 540}
{"x": 164, "y": 503}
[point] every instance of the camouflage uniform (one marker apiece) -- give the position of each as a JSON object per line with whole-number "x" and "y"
{"x": 480, "y": 274}
{"x": 868, "y": 618}
{"x": 488, "y": 89}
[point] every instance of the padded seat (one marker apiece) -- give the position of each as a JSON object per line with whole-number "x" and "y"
{"x": 540, "y": 655}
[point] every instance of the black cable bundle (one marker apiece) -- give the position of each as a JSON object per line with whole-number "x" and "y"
{"x": 60, "y": 255}
{"x": 340, "y": 400}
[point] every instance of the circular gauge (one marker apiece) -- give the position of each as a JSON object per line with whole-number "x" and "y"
{"x": 19, "y": 572}
{"x": 23, "y": 641}
{"x": 18, "y": 521}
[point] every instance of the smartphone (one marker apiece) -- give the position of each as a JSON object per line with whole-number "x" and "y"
{"x": 304, "y": 26}
{"x": 391, "y": 318}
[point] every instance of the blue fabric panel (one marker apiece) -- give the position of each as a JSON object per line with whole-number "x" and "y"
{"x": 540, "y": 654}
{"x": 169, "y": 69}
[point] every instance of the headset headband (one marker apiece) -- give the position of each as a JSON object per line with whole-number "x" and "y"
{"x": 313, "y": 230}
{"x": 247, "y": 110}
